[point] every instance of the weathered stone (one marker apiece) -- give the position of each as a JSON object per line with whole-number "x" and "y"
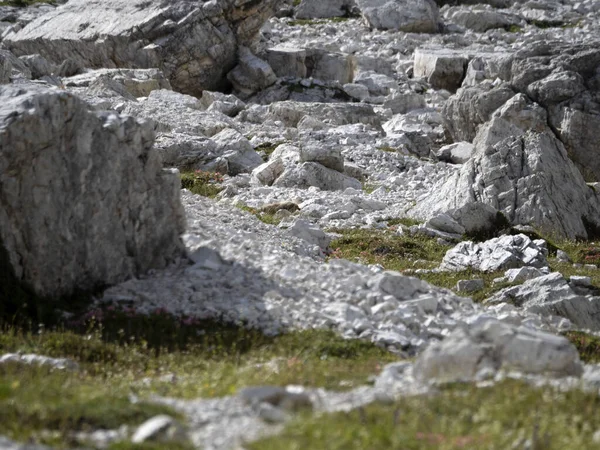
{"x": 523, "y": 171}
{"x": 469, "y": 286}
{"x": 458, "y": 153}
{"x": 109, "y": 214}
{"x": 251, "y": 74}
{"x": 330, "y": 157}
{"x": 314, "y": 174}
{"x": 505, "y": 252}
{"x": 137, "y": 82}
{"x": 194, "y": 45}
{"x": 442, "y": 69}
{"x": 484, "y": 349}
{"x": 39, "y": 360}
{"x": 310, "y": 233}
{"x": 551, "y": 295}
{"x": 418, "y": 16}
{"x": 268, "y": 172}
{"x": 38, "y": 65}
{"x": 238, "y": 151}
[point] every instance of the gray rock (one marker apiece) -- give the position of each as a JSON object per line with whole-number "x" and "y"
{"x": 336, "y": 114}
{"x": 229, "y": 105}
{"x": 251, "y": 74}
{"x": 329, "y": 157}
{"x": 268, "y": 172}
{"x": 522, "y": 274}
{"x": 470, "y": 285}
{"x": 505, "y": 252}
{"x": 441, "y": 69}
{"x": 484, "y": 349}
{"x": 481, "y": 19}
{"x": 472, "y": 107}
{"x": 188, "y": 152}
{"x": 551, "y": 295}
{"x": 160, "y": 428}
{"x": 457, "y": 153}
{"x": 418, "y": 16}
{"x": 523, "y": 171}
{"x": 310, "y": 233}
{"x": 479, "y": 219}
{"x": 195, "y": 46}
{"x": 7, "y": 444}
{"x": 38, "y": 65}
{"x": 314, "y": 174}
{"x": 288, "y": 398}
{"x": 5, "y": 69}
{"x": 238, "y": 151}
{"x": 109, "y": 214}
{"x": 137, "y": 82}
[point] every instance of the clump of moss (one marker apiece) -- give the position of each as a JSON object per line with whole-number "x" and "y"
{"x": 202, "y": 183}
{"x": 266, "y": 149}
{"x": 587, "y": 345}
{"x": 265, "y": 217}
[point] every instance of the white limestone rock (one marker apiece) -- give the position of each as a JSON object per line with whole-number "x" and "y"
{"x": 329, "y": 157}
{"x": 310, "y": 233}
{"x": 417, "y": 16}
{"x": 161, "y": 428}
{"x": 523, "y": 171}
{"x": 500, "y": 253}
{"x": 484, "y": 349}
{"x": 111, "y": 213}
{"x": 314, "y": 174}
{"x": 268, "y": 172}
{"x": 238, "y": 151}
{"x": 251, "y": 74}
{"x": 194, "y": 45}
{"x": 552, "y": 295}
{"x": 457, "y": 153}
{"x": 39, "y": 360}
{"x": 442, "y": 69}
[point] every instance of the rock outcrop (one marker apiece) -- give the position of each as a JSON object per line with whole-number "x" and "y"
{"x": 194, "y": 44}
{"x": 84, "y": 201}
{"x": 521, "y": 169}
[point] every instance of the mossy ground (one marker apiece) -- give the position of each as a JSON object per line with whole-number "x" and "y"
{"x": 202, "y": 183}
{"x": 508, "y": 415}
{"x": 122, "y": 353}
{"x": 24, "y": 3}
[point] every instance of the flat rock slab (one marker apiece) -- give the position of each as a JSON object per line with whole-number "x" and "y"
{"x": 194, "y": 44}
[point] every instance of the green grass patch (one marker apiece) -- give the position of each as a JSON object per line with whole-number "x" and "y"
{"x": 405, "y": 253}
{"x": 263, "y": 216}
{"x": 588, "y": 345}
{"x": 202, "y": 183}
{"x": 121, "y": 352}
{"x": 385, "y": 247}
{"x": 510, "y": 414}
{"x": 266, "y": 149}
{"x": 514, "y": 29}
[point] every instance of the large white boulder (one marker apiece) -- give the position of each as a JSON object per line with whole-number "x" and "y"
{"x": 520, "y": 168}
{"x": 484, "y": 349}
{"x": 84, "y": 201}
{"x": 194, "y": 44}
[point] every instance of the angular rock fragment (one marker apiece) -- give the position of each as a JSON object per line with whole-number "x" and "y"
{"x": 195, "y": 45}
{"x": 418, "y": 16}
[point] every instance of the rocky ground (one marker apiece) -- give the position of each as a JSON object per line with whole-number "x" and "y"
{"x": 386, "y": 237}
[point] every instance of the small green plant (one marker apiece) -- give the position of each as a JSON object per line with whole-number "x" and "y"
{"x": 202, "y": 183}
{"x": 264, "y": 217}
{"x": 513, "y": 28}
{"x": 266, "y": 149}
{"x": 587, "y": 345}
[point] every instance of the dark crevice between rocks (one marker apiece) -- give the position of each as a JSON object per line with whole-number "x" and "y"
{"x": 20, "y": 306}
